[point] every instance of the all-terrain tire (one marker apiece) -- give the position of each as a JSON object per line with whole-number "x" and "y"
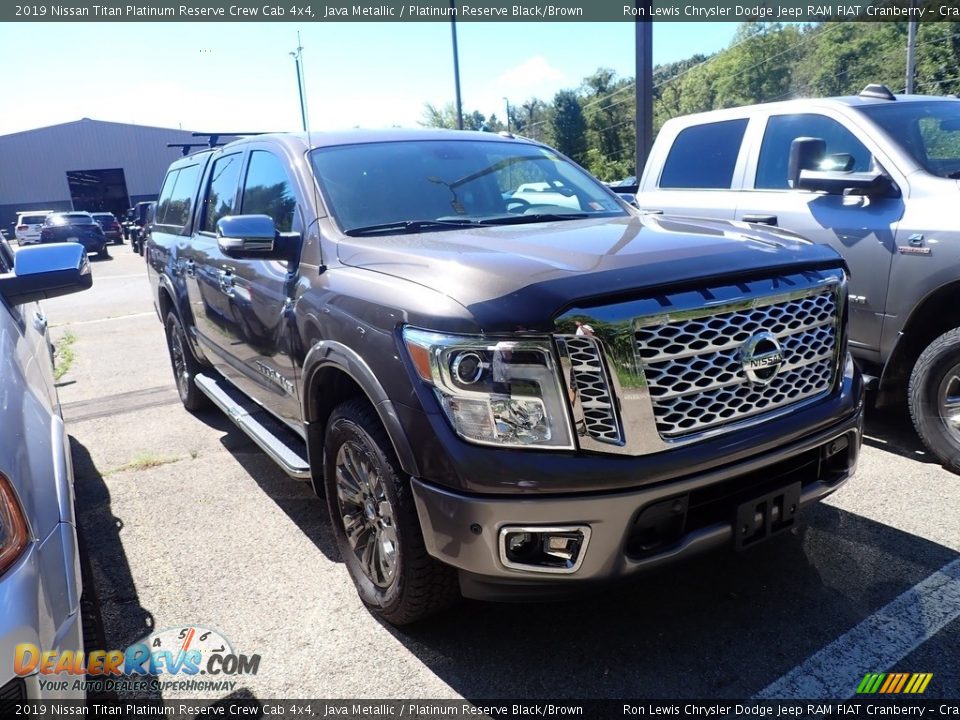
{"x": 934, "y": 380}
{"x": 419, "y": 585}
{"x": 185, "y": 366}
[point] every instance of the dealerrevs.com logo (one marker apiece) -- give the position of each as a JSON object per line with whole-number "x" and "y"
{"x": 183, "y": 652}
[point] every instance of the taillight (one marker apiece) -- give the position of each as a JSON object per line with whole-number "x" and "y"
{"x": 14, "y": 534}
{"x": 46, "y": 233}
{"x": 23, "y": 227}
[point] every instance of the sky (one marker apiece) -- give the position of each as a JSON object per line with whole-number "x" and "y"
{"x": 241, "y": 77}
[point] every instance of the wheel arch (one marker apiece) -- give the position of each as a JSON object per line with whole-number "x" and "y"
{"x": 933, "y": 316}
{"x": 334, "y": 373}
{"x": 165, "y": 302}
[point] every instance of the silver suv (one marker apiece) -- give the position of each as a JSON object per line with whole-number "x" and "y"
{"x": 875, "y": 176}
{"x": 39, "y": 568}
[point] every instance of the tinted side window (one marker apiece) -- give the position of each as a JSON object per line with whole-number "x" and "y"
{"x": 176, "y": 197}
{"x": 704, "y": 156}
{"x": 784, "y": 129}
{"x": 267, "y": 191}
{"x": 221, "y": 194}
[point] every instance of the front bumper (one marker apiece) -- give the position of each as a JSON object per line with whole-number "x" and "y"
{"x": 463, "y": 530}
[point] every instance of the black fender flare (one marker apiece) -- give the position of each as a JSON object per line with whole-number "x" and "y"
{"x": 181, "y": 307}
{"x": 332, "y": 354}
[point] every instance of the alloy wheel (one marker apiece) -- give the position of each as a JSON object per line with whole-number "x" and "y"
{"x": 367, "y": 515}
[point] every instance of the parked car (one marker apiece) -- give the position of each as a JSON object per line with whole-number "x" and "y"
{"x": 496, "y": 399}
{"x": 27, "y": 228}
{"x": 147, "y": 228}
{"x": 556, "y": 194}
{"x": 40, "y": 580}
{"x": 75, "y": 227}
{"x": 875, "y": 177}
{"x": 138, "y": 226}
{"x": 110, "y": 226}
{"x": 128, "y": 223}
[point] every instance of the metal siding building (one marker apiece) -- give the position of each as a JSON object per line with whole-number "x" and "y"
{"x": 35, "y": 164}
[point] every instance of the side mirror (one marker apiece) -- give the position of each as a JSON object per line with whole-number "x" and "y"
{"x": 806, "y": 153}
{"x": 241, "y": 235}
{"x": 41, "y": 272}
{"x": 810, "y": 168}
{"x": 872, "y": 184}
{"x": 838, "y": 162}
{"x": 255, "y": 236}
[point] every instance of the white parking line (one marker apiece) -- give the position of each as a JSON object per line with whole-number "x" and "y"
{"x": 106, "y": 319}
{"x": 877, "y": 643}
{"x": 101, "y": 278}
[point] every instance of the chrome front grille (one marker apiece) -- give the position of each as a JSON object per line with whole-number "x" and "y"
{"x": 590, "y": 390}
{"x": 694, "y": 369}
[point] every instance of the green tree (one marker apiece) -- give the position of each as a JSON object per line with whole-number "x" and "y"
{"x": 568, "y": 126}
{"x": 446, "y": 117}
{"x": 609, "y": 110}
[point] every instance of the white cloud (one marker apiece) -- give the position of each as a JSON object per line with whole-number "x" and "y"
{"x": 534, "y": 77}
{"x": 530, "y": 76}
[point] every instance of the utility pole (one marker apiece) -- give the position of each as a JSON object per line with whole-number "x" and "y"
{"x": 644, "y": 83}
{"x": 456, "y": 62}
{"x": 911, "y": 52}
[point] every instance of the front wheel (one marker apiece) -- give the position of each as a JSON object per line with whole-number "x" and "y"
{"x": 185, "y": 366}
{"x": 934, "y": 398}
{"x": 375, "y": 522}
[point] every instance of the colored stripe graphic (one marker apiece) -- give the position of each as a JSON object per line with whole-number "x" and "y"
{"x": 894, "y": 683}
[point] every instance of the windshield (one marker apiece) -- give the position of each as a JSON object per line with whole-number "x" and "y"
{"x": 929, "y": 131}
{"x": 438, "y": 184}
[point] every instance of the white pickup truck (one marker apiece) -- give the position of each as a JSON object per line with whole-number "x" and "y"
{"x": 874, "y": 176}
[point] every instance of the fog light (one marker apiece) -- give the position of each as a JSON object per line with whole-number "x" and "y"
{"x": 520, "y": 544}
{"x": 544, "y": 549}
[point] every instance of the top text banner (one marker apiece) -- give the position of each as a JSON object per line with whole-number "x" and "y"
{"x": 481, "y": 11}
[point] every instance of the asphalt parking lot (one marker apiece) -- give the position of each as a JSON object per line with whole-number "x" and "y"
{"x": 188, "y": 523}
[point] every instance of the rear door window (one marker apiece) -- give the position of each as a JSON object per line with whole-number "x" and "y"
{"x": 176, "y": 198}
{"x": 221, "y": 195}
{"x": 703, "y": 157}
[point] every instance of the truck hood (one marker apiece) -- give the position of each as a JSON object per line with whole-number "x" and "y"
{"x": 522, "y": 276}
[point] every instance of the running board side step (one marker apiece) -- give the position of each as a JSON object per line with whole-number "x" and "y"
{"x": 259, "y": 426}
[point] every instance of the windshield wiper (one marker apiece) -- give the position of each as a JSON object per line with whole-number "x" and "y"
{"x": 535, "y": 218}
{"x": 408, "y": 226}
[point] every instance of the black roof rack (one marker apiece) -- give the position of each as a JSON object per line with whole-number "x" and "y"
{"x": 185, "y": 147}
{"x": 878, "y": 91}
{"x": 213, "y": 138}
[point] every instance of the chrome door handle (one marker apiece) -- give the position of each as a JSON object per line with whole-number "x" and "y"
{"x": 226, "y": 282}
{"x": 760, "y": 219}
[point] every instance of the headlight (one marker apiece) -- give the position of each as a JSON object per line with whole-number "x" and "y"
{"x": 495, "y": 392}
{"x": 13, "y": 526}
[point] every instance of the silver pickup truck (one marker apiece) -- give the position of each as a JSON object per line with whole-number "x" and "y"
{"x": 874, "y": 176}
{"x": 40, "y": 579}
